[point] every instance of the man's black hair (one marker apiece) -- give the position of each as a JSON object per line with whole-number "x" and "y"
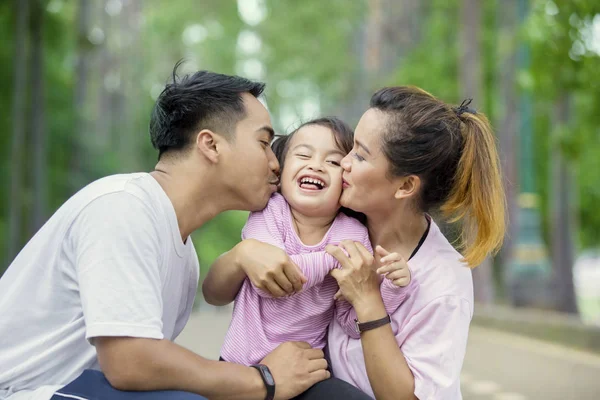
{"x": 203, "y": 100}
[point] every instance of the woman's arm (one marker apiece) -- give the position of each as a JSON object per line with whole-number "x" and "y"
{"x": 387, "y": 369}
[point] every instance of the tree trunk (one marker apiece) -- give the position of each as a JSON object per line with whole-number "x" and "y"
{"x": 562, "y": 221}
{"x": 18, "y": 130}
{"x": 508, "y": 123}
{"x": 79, "y": 149}
{"x": 471, "y": 82}
{"x": 38, "y": 126}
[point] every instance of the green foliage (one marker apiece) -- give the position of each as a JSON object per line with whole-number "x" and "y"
{"x": 310, "y": 51}
{"x": 565, "y": 65}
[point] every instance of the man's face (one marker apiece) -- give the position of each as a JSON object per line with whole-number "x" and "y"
{"x": 250, "y": 167}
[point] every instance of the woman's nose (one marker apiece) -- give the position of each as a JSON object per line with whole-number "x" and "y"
{"x": 346, "y": 163}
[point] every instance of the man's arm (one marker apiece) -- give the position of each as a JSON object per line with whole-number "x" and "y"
{"x": 119, "y": 253}
{"x": 149, "y": 364}
{"x": 225, "y": 277}
{"x": 138, "y": 364}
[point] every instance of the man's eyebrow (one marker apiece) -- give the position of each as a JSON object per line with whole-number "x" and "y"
{"x": 365, "y": 148}
{"x": 269, "y": 130}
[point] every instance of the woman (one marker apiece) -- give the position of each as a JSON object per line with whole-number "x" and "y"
{"x": 413, "y": 153}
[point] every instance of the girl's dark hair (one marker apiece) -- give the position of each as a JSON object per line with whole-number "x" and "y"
{"x": 342, "y": 133}
{"x": 453, "y": 152}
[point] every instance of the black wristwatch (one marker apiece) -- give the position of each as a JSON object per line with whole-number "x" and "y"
{"x": 267, "y": 378}
{"x": 367, "y": 326}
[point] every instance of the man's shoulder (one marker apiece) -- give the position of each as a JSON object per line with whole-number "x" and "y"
{"x": 136, "y": 187}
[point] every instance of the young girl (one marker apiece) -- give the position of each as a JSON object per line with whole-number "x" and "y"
{"x": 302, "y": 220}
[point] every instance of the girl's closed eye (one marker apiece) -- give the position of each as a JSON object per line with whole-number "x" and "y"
{"x": 334, "y": 162}
{"x": 302, "y": 155}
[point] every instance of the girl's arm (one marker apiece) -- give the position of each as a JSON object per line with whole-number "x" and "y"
{"x": 261, "y": 258}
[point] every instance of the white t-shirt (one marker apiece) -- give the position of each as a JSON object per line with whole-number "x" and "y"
{"x": 110, "y": 262}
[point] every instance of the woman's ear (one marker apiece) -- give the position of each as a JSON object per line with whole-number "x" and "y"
{"x": 408, "y": 186}
{"x": 208, "y": 144}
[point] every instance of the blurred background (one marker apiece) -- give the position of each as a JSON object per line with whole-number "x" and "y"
{"x": 79, "y": 79}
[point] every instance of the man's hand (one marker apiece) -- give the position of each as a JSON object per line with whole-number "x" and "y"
{"x": 295, "y": 367}
{"x": 269, "y": 268}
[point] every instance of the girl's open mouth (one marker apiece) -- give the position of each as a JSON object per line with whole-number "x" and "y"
{"x": 311, "y": 183}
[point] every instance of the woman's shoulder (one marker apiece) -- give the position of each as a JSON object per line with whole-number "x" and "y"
{"x": 440, "y": 271}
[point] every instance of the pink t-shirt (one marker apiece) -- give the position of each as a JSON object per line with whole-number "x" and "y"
{"x": 431, "y": 327}
{"x": 260, "y": 323}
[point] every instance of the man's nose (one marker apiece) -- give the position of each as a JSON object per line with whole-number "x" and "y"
{"x": 273, "y": 163}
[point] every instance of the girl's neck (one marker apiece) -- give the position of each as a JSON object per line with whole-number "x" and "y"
{"x": 399, "y": 232}
{"x": 311, "y": 230}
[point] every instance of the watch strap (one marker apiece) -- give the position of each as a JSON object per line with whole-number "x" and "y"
{"x": 367, "y": 326}
{"x": 267, "y": 378}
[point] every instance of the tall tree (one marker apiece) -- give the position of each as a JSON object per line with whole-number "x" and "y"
{"x": 18, "y": 128}
{"x": 471, "y": 80}
{"x": 508, "y": 120}
{"x": 78, "y": 144}
{"x": 38, "y": 123}
{"x": 562, "y": 220}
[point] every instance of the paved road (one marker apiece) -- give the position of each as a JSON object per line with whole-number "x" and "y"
{"x": 498, "y": 366}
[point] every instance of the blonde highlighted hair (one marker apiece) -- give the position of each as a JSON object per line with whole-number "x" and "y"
{"x": 453, "y": 152}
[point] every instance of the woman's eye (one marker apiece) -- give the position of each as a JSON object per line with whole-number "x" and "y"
{"x": 265, "y": 143}
{"x": 358, "y": 156}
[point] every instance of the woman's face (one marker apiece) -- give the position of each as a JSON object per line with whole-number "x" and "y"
{"x": 367, "y": 186}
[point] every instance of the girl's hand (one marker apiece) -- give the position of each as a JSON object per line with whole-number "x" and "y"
{"x": 393, "y": 267}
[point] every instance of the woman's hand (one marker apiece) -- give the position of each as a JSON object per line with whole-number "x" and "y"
{"x": 269, "y": 268}
{"x": 358, "y": 281}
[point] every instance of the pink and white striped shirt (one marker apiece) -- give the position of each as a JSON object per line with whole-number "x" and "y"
{"x": 260, "y": 323}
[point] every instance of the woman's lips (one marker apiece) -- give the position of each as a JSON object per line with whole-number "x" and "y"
{"x": 345, "y": 183}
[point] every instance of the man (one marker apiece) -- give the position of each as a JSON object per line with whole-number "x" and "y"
{"x": 109, "y": 281}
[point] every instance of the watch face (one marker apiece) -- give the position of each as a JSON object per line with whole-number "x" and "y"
{"x": 268, "y": 376}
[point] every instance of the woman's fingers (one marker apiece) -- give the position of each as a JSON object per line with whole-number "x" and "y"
{"x": 351, "y": 249}
{"x": 339, "y": 255}
{"x": 338, "y": 295}
{"x": 366, "y": 254}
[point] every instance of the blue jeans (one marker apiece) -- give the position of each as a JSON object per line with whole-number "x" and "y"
{"x": 92, "y": 385}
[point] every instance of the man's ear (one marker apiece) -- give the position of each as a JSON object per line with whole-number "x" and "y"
{"x": 407, "y": 186}
{"x": 208, "y": 143}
